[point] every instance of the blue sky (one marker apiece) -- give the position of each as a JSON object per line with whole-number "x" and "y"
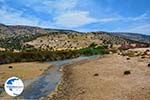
{"x": 81, "y": 15}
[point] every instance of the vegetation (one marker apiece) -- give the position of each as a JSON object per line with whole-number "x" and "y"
{"x": 16, "y": 42}
{"x": 93, "y": 49}
{"x": 1, "y": 90}
{"x": 1, "y": 93}
{"x": 27, "y": 56}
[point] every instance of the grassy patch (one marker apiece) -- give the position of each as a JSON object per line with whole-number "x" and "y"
{"x": 94, "y": 50}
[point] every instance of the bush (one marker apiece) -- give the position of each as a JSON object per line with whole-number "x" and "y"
{"x": 37, "y": 55}
{"x": 93, "y": 50}
{"x": 128, "y": 58}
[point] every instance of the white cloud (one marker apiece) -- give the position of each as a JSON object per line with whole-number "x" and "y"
{"x": 144, "y": 16}
{"x": 111, "y": 19}
{"x": 141, "y": 17}
{"x": 126, "y": 19}
{"x": 50, "y": 6}
{"x": 135, "y": 28}
{"x": 64, "y": 12}
{"x": 66, "y": 15}
{"x": 138, "y": 24}
{"x": 74, "y": 19}
{"x": 61, "y": 5}
{"x": 143, "y": 28}
{"x": 15, "y": 17}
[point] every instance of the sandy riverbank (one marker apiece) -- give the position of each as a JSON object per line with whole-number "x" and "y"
{"x": 25, "y": 70}
{"x": 104, "y": 79}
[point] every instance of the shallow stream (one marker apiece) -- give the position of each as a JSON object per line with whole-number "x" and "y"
{"x": 46, "y": 83}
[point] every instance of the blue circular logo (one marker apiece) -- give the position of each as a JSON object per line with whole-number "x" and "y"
{"x": 14, "y": 86}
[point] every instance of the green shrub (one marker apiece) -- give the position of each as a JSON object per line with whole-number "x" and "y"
{"x": 37, "y": 55}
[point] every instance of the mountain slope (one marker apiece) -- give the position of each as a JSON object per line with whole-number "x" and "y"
{"x": 76, "y": 40}
{"x": 9, "y": 30}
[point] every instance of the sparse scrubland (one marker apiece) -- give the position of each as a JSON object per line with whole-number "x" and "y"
{"x": 111, "y": 77}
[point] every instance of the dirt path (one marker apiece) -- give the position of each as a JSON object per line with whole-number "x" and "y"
{"x": 104, "y": 79}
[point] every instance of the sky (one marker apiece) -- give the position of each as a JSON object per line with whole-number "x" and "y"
{"x": 80, "y": 15}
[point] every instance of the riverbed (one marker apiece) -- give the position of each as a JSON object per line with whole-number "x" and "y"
{"x": 45, "y": 84}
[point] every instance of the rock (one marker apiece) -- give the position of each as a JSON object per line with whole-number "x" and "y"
{"x": 148, "y": 65}
{"x": 96, "y": 74}
{"x": 127, "y": 72}
{"x": 10, "y": 67}
{"x": 128, "y": 58}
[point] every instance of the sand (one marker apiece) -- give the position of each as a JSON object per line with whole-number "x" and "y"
{"x": 104, "y": 79}
{"x": 25, "y": 70}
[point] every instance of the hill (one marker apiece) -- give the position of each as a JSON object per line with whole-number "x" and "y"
{"x": 64, "y": 41}
{"x": 21, "y": 37}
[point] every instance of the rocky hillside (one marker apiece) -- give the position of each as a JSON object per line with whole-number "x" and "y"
{"x": 27, "y": 37}
{"x": 74, "y": 40}
{"x": 6, "y": 30}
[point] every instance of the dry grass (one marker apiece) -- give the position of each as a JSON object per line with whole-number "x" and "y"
{"x": 25, "y": 70}
{"x": 111, "y": 83}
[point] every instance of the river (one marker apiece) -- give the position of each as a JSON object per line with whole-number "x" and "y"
{"x": 43, "y": 85}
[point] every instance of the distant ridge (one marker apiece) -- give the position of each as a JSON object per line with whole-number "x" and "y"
{"x": 133, "y": 36}
{"x": 8, "y": 30}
